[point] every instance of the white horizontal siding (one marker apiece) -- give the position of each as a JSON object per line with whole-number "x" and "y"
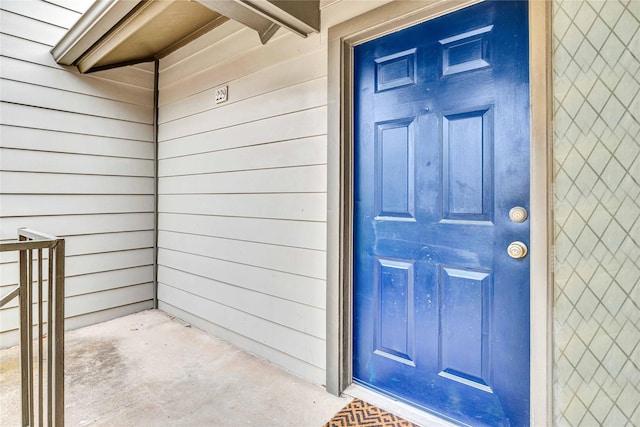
{"x": 76, "y": 5}
{"x": 51, "y": 183}
{"x": 303, "y": 262}
{"x": 24, "y": 205}
{"x": 299, "y": 234}
{"x": 294, "y": 206}
{"x": 296, "y": 152}
{"x": 299, "y": 70}
{"x": 42, "y": 11}
{"x": 107, "y": 280}
{"x": 63, "y": 121}
{"x": 61, "y": 142}
{"x": 302, "y": 179}
{"x": 76, "y": 306}
{"x": 29, "y": 28}
{"x": 307, "y": 319}
{"x": 299, "y": 97}
{"x": 288, "y": 286}
{"x": 242, "y": 189}
{"x": 52, "y": 162}
{"x": 78, "y": 225}
{"x": 56, "y": 99}
{"x": 290, "y": 126}
{"x": 107, "y": 261}
{"x": 23, "y": 50}
{"x": 109, "y": 242}
{"x": 64, "y": 79}
{"x": 76, "y": 160}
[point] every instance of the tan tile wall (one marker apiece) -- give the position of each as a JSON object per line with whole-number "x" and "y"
{"x": 597, "y": 210}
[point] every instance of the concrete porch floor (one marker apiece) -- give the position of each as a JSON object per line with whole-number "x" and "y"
{"x": 148, "y": 369}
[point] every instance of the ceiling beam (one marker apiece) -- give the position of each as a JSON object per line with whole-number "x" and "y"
{"x": 300, "y": 16}
{"x": 238, "y": 12}
{"x": 266, "y": 16}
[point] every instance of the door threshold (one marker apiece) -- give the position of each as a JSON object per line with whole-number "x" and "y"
{"x": 396, "y": 407}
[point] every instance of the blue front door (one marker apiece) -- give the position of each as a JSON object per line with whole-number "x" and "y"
{"x": 441, "y": 156}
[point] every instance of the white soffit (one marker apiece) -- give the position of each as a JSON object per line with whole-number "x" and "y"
{"x": 114, "y": 33}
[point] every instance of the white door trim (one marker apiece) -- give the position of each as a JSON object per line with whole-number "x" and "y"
{"x": 378, "y": 22}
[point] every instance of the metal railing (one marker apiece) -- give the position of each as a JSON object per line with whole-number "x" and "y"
{"x": 34, "y": 249}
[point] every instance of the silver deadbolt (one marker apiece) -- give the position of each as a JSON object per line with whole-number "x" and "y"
{"x": 517, "y": 250}
{"x": 518, "y": 214}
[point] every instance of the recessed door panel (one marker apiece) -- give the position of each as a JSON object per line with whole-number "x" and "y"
{"x": 465, "y": 333}
{"x": 467, "y": 51}
{"x": 396, "y": 70}
{"x": 395, "y": 311}
{"x": 467, "y": 164}
{"x": 394, "y": 175}
{"x": 441, "y": 154}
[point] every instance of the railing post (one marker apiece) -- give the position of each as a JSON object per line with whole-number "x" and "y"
{"x": 50, "y": 357}
{"x": 59, "y": 251}
{"x": 40, "y": 343}
{"x": 25, "y": 344}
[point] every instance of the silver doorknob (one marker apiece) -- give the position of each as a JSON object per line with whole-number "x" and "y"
{"x": 517, "y": 250}
{"x": 518, "y": 214}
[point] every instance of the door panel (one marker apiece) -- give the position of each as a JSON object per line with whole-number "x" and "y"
{"x": 394, "y": 170}
{"x": 467, "y": 165}
{"x": 395, "y": 325}
{"x": 441, "y": 154}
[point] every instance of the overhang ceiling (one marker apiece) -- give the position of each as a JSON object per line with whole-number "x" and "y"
{"x": 114, "y": 33}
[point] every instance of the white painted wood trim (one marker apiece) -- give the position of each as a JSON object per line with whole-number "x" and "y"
{"x": 541, "y": 205}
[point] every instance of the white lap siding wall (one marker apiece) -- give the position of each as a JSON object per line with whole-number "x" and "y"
{"x": 76, "y": 160}
{"x": 242, "y": 189}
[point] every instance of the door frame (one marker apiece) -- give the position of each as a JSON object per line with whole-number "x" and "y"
{"x": 392, "y": 17}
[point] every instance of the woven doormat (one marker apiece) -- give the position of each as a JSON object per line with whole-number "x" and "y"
{"x": 359, "y": 413}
